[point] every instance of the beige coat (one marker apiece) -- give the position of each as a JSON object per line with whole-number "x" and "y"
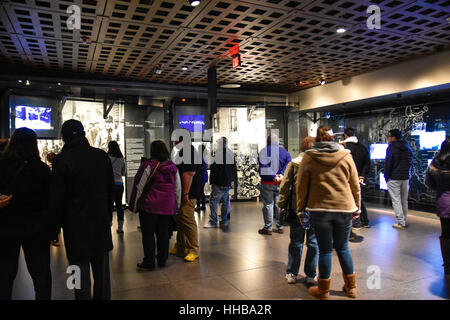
{"x": 328, "y": 182}
{"x": 290, "y": 180}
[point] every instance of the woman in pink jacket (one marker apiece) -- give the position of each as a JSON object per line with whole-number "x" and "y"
{"x": 156, "y": 196}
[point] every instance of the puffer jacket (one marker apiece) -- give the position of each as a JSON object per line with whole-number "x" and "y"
{"x": 162, "y": 195}
{"x": 399, "y": 158}
{"x": 438, "y": 178}
{"x": 328, "y": 181}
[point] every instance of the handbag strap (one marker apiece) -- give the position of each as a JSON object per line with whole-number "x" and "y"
{"x": 151, "y": 176}
{"x": 291, "y": 188}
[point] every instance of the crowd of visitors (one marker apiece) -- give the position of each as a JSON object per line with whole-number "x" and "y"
{"x": 320, "y": 190}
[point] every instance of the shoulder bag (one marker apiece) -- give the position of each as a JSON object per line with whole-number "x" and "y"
{"x": 288, "y": 217}
{"x": 146, "y": 188}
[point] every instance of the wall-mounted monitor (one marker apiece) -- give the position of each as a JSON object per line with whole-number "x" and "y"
{"x": 191, "y": 122}
{"x": 40, "y": 114}
{"x": 431, "y": 140}
{"x": 383, "y": 184}
{"x": 378, "y": 151}
{"x": 36, "y": 118}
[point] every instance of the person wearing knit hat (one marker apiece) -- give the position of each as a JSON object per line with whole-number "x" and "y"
{"x": 82, "y": 193}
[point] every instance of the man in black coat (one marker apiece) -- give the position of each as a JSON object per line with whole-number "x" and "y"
{"x": 397, "y": 171}
{"x": 82, "y": 202}
{"x": 361, "y": 158}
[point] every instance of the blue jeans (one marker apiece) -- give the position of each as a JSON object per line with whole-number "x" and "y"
{"x": 217, "y": 194}
{"x": 333, "y": 230}
{"x": 297, "y": 235}
{"x": 269, "y": 197}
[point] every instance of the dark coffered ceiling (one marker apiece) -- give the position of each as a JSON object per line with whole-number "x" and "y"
{"x": 281, "y": 41}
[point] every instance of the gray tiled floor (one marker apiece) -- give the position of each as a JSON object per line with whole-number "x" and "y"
{"x": 238, "y": 263}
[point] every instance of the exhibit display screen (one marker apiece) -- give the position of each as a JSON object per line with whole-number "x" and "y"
{"x": 193, "y": 123}
{"x": 36, "y": 118}
{"x": 431, "y": 140}
{"x": 378, "y": 151}
{"x": 418, "y": 128}
{"x": 383, "y": 184}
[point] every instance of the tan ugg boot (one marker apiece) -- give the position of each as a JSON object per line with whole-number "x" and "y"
{"x": 350, "y": 285}
{"x": 322, "y": 290}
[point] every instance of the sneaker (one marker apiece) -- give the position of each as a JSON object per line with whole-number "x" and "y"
{"x": 175, "y": 251}
{"x": 119, "y": 231}
{"x": 366, "y": 226}
{"x": 210, "y": 225}
{"x": 280, "y": 230}
{"x": 291, "y": 278}
{"x": 264, "y": 231}
{"x": 191, "y": 257}
{"x": 398, "y": 226}
{"x": 142, "y": 266}
{"x": 223, "y": 224}
{"x": 311, "y": 280}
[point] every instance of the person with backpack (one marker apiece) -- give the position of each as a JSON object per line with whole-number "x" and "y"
{"x": 156, "y": 195}
{"x": 288, "y": 201}
{"x": 25, "y": 216}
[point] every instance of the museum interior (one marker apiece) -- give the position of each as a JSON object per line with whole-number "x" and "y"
{"x": 133, "y": 71}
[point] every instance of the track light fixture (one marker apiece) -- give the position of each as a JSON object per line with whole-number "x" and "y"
{"x": 194, "y": 3}
{"x": 341, "y": 29}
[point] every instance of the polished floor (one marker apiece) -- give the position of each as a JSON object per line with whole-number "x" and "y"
{"x": 238, "y": 263}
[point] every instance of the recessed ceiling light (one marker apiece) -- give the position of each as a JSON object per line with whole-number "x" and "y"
{"x": 341, "y": 30}
{"x": 230, "y": 86}
{"x": 184, "y": 68}
{"x": 194, "y": 3}
{"x": 59, "y": 83}
{"x": 27, "y": 83}
{"x": 19, "y": 81}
